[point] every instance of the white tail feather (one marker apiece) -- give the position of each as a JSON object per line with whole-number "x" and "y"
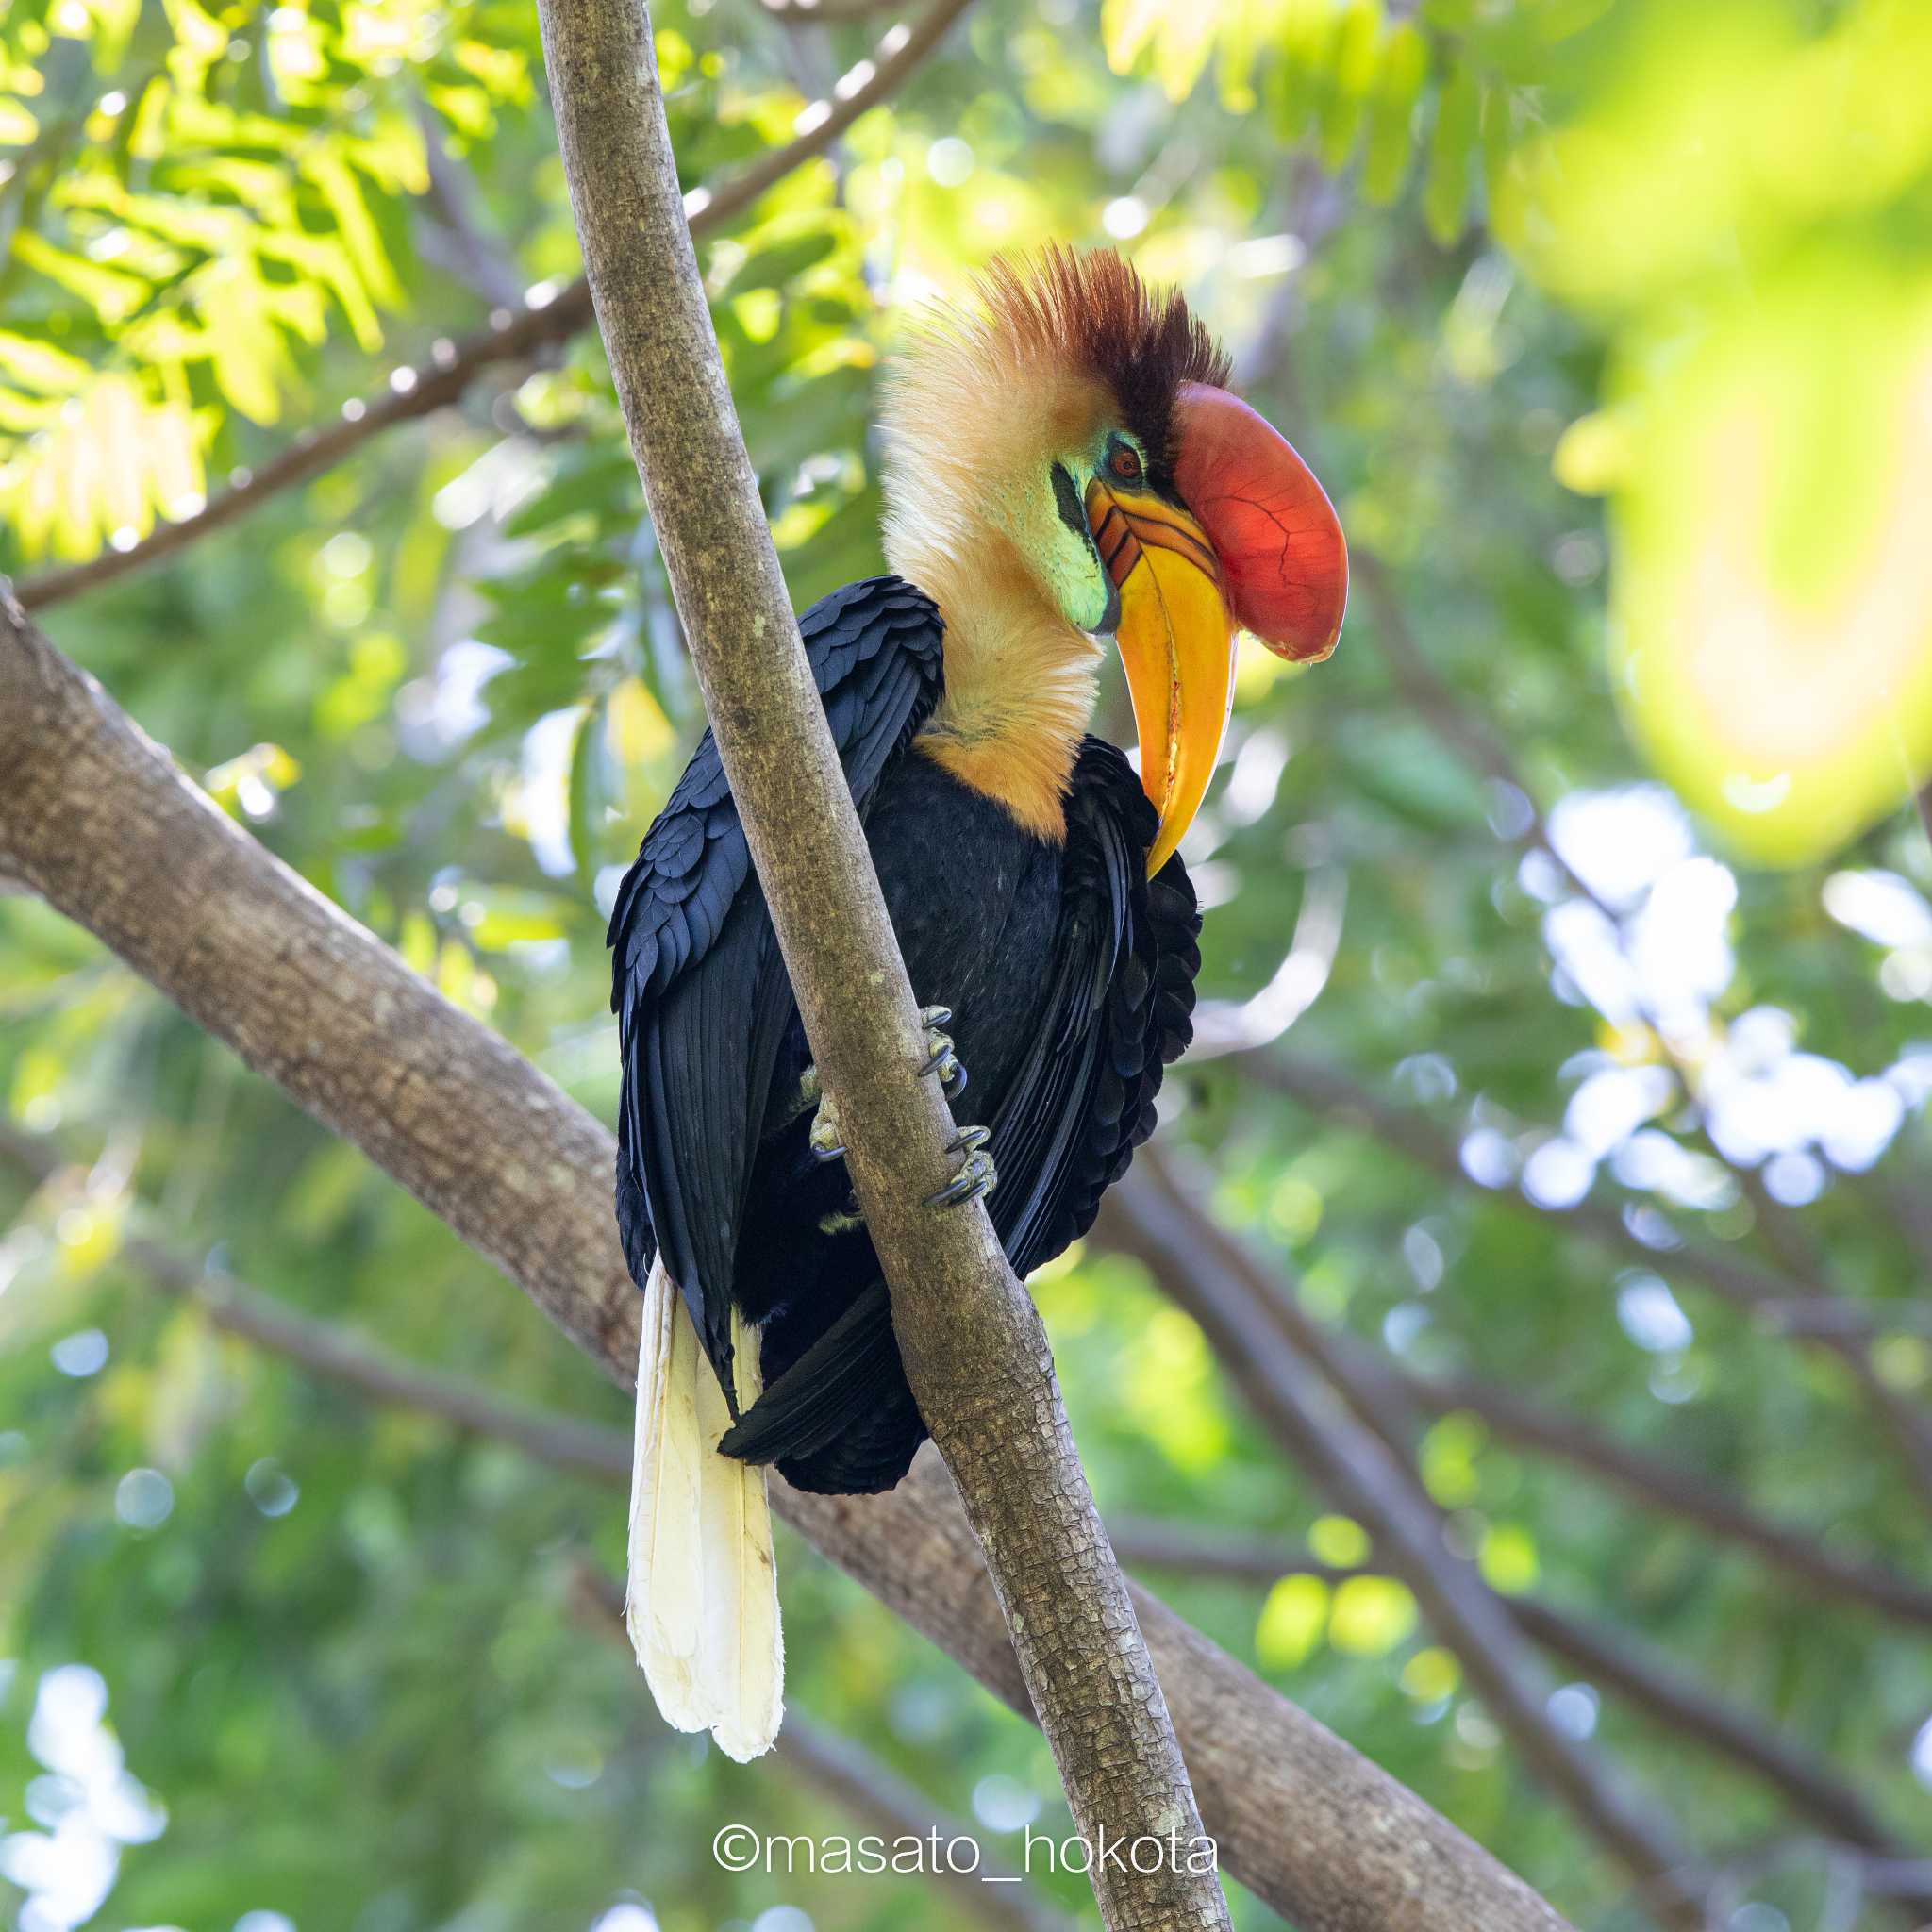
{"x": 702, "y": 1602}
{"x": 741, "y": 1648}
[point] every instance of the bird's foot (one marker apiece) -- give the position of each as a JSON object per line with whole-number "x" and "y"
{"x": 940, "y": 1061}
{"x": 976, "y": 1176}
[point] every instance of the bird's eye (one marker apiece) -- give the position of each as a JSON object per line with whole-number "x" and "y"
{"x": 1126, "y": 464}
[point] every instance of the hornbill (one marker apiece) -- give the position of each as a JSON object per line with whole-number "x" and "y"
{"x": 1064, "y": 462}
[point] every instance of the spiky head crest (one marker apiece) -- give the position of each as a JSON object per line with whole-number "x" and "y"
{"x": 1094, "y": 313}
{"x": 986, "y": 402}
{"x": 1049, "y": 350}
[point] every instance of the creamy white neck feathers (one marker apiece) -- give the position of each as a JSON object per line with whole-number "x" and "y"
{"x": 972, "y": 419}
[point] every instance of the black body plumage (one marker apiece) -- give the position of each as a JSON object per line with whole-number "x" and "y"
{"x": 1070, "y": 976}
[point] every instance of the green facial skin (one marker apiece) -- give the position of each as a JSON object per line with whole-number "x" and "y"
{"x": 1064, "y": 559}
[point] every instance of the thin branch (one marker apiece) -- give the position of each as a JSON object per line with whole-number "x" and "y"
{"x": 1802, "y": 1305}
{"x": 1203, "y": 1270}
{"x": 974, "y": 1351}
{"x": 1466, "y": 731}
{"x": 1672, "y": 1697}
{"x": 326, "y": 1349}
{"x": 1792, "y": 1242}
{"x": 1229, "y": 1026}
{"x": 472, "y": 253}
{"x": 824, "y": 13}
{"x": 1660, "y": 1484}
{"x": 1340, "y": 1097}
{"x": 513, "y": 333}
{"x": 826, "y": 1764}
{"x": 101, "y": 823}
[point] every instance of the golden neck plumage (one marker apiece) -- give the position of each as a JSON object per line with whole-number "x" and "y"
{"x": 975, "y": 414}
{"x": 1019, "y": 678}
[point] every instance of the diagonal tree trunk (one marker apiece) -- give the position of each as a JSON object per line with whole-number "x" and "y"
{"x": 97, "y": 819}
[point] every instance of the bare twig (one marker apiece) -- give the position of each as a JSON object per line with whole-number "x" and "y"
{"x": 1665, "y": 1486}
{"x": 1202, "y": 1268}
{"x": 1792, "y": 1242}
{"x": 1228, "y": 1027}
{"x": 1772, "y": 1297}
{"x": 326, "y": 1349}
{"x": 99, "y": 820}
{"x": 472, "y": 254}
{"x": 825, "y": 13}
{"x": 513, "y": 333}
{"x": 828, "y": 1764}
{"x": 1804, "y": 1306}
{"x": 1672, "y": 1698}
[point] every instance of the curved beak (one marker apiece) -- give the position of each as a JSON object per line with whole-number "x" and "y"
{"x": 1176, "y": 644}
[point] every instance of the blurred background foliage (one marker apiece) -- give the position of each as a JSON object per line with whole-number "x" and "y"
{"x": 1608, "y": 325}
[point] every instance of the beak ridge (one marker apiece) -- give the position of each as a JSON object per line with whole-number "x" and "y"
{"x": 1176, "y": 638}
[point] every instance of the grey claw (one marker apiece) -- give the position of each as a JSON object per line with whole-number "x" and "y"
{"x": 825, "y": 1145}
{"x": 941, "y": 1058}
{"x": 976, "y": 1177}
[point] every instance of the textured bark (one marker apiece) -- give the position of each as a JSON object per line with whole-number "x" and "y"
{"x": 975, "y": 1353}
{"x": 98, "y": 819}
{"x": 1277, "y": 1789}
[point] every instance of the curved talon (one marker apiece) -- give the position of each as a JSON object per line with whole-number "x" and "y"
{"x": 825, "y": 1145}
{"x": 977, "y": 1177}
{"x": 944, "y": 1061}
{"x": 941, "y": 1058}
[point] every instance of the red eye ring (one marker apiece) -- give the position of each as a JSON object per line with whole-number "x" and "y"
{"x": 1126, "y": 464}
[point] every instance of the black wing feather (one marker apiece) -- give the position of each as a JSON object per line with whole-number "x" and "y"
{"x": 699, "y": 1048}
{"x": 1119, "y": 1008}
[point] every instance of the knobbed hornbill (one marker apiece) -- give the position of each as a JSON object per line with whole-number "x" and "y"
{"x": 1062, "y": 463}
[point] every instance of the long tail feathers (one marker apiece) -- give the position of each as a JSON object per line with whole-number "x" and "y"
{"x": 702, "y": 1605}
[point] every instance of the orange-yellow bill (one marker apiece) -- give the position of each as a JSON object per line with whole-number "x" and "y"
{"x": 1177, "y": 644}
{"x": 1257, "y": 547}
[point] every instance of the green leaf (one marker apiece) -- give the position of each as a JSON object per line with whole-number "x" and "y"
{"x": 1452, "y": 152}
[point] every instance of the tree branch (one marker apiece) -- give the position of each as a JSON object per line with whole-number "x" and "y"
{"x": 1805, "y": 1308}
{"x": 1438, "y": 702}
{"x": 100, "y": 822}
{"x": 1203, "y": 1270}
{"x": 974, "y": 1351}
{"x": 1670, "y": 1697}
{"x": 514, "y": 334}
{"x": 603, "y": 1454}
{"x": 1660, "y": 1485}
{"x": 1779, "y": 1301}
{"x": 825, "y": 13}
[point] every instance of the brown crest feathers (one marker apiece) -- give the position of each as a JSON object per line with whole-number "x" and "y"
{"x": 1095, "y": 310}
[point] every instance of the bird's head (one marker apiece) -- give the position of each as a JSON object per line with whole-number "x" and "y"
{"x": 1084, "y": 425}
